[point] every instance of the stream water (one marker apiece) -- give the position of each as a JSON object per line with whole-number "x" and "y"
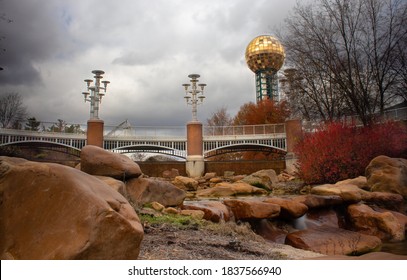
{"x": 398, "y": 248}
{"x": 326, "y": 217}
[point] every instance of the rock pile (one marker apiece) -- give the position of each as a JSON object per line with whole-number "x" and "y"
{"x": 350, "y": 217}
{"x": 50, "y": 211}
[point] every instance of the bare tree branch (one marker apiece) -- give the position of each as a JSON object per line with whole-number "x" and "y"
{"x": 12, "y": 110}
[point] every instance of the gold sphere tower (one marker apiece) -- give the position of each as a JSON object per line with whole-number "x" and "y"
{"x": 264, "y": 56}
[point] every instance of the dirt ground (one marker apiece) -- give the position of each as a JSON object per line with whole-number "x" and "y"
{"x": 227, "y": 241}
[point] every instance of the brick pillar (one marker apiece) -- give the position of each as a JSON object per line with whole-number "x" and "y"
{"x": 293, "y": 130}
{"x": 195, "y": 165}
{"x": 95, "y": 133}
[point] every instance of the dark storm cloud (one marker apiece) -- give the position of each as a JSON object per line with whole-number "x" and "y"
{"x": 146, "y": 47}
{"x": 31, "y": 37}
{"x": 17, "y": 71}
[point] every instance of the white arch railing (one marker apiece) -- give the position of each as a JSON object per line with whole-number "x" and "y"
{"x": 164, "y": 139}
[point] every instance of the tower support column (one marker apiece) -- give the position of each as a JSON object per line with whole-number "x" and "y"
{"x": 293, "y": 130}
{"x": 94, "y": 134}
{"x": 195, "y": 165}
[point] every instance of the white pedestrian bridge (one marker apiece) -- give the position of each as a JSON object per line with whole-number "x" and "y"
{"x": 170, "y": 140}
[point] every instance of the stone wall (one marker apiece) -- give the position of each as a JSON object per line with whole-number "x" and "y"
{"x": 156, "y": 168}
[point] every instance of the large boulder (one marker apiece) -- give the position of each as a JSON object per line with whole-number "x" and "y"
{"x": 399, "y": 216}
{"x": 271, "y": 230}
{"x": 319, "y": 201}
{"x": 51, "y": 211}
{"x": 115, "y": 184}
{"x": 391, "y": 201}
{"x": 333, "y": 241}
{"x": 316, "y": 218}
{"x": 230, "y": 189}
{"x": 97, "y": 161}
{"x": 360, "y": 182}
{"x": 147, "y": 190}
{"x": 252, "y": 209}
{"x": 385, "y": 174}
{"x": 381, "y": 224}
{"x": 290, "y": 209}
{"x": 349, "y": 193}
{"x": 264, "y": 178}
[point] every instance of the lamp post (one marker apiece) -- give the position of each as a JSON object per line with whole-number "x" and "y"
{"x": 196, "y": 97}
{"x": 94, "y": 95}
{"x": 195, "y": 165}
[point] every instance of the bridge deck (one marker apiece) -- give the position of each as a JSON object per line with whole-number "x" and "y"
{"x": 230, "y": 138}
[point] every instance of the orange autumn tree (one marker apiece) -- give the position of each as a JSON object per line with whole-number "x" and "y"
{"x": 264, "y": 112}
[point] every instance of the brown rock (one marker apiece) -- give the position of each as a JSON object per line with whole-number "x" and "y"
{"x": 237, "y": 178}
{"x": 157, "y": 206}
{"x": 230, "y": 189}
{"x": 117, "y": 185}
{"x": 214, "y": 211}
{"x": 265, "y": 178}
{"x": 353, "y": 194}
{"x": 290, "y": 209}
{"x": 97, "y": 161}
{"x": 333, "y": 241}
{"x": 383, "y": 225}
{"x": 285, "y": 177}
{"x": 385, "y": 174}
{"x": 390, "y": 201}
{"x": 51, "y": 211}
{"x": 252, "y": 209}
{"x": 196, "y": 214}
{"x": 348, "y": 193}
{"x": 316, "y": 218}
{"x": 146, "y": 190}
{"x": 215, "y": 180}
{"x": 209, "y": 175}
{"x": 185, "y": 183}
{"x": 399, "y": 216}
{"x": 319, "y": 201}
{"x": 360, "y": 182}
{"x": 269, "y": 230}
{"x": 171, "y": 210}
{"x": 171, "y": 173}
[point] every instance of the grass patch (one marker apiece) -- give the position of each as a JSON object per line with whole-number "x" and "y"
{"x": 178, "y": 221}
{"x": 242, "y": 230}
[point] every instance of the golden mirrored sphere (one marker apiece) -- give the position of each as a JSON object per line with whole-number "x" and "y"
{"x": 265, "y": 53}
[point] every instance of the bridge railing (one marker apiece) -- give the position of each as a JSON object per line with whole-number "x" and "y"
{"x": 42, "y": 133}
{"x": 49, "y": 127}
{"x": 241, "y": 130}
{"x": 145, "y": 132}
{"x": 150, "y": 132}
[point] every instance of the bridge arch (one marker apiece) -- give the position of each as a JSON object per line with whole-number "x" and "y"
{"x": 150, "y": 148}
{"x": 244, "y": 147}
{"x": 45, "y": 145}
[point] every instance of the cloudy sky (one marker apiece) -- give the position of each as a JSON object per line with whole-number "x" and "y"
{"x": 146, "y": 47}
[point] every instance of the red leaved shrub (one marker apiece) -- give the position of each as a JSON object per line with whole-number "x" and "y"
{"x": 337, "y": 151}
